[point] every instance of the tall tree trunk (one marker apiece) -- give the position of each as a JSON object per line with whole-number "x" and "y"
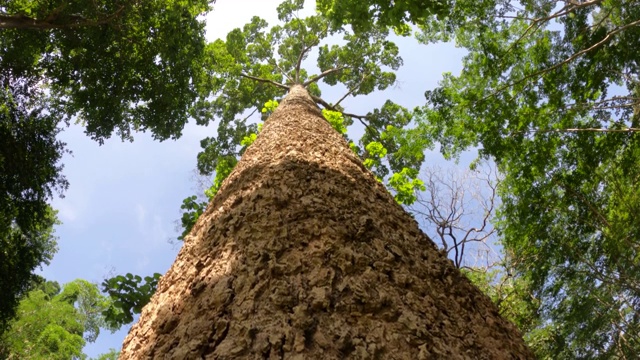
{"x": 302, "y": 254}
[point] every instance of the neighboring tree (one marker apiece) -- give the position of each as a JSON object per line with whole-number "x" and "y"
{"x": 29, "y": 176}
{"x": 550, "y": 92}
{"x": 304, "y": 254}
{"x": 115, "y": 65}
{"x": 55, "y": 323}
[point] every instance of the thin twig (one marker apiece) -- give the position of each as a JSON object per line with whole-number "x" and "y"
{"x": 323, "y": 74}
{"x": 285, "y": 87}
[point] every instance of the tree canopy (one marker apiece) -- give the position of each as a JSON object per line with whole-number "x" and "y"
{"x": 550, "y": 93}
{"x": 54, "y": 322}
{"x": 256, "y": 65}
{"x": 397, "y": 14}
{"x": 115, "y": 66}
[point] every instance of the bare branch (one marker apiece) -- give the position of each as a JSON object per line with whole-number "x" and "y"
{"x": 445, "y": 208}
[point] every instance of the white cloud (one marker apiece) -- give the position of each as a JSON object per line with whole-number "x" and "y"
{"x": 141, "y": 214}
{"x": 66, "y": 211}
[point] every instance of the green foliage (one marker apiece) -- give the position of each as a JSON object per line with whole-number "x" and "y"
{"x": 128, "y": 294}
{"x": 336, "y": 120}
{"x": 554, "y": 104}
{"x": 54, "y": 324}
{"x": 117, "y": 65}
{"x": 113, "y": 354}
{"x": 191, "y": 211}
{"x": 255, "y": 65}
{"x": 363, "y": 15}
{"x": 405, "y": 184}
{"x": 270, "y": 106}
{"x": 392, "y": 127}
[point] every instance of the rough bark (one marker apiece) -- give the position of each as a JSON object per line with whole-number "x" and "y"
{"x": 304, "y": 255}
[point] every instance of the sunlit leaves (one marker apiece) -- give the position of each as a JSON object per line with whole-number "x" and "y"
{"x": 336, "y": 120}
{"x": 128, "y": 293}
{"x": 269, "y": 107}
{"x": 405, "y": 184}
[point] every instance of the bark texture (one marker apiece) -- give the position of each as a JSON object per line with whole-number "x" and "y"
{"x": 304, "y": 255}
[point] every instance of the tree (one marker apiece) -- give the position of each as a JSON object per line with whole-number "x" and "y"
{"x": 115, "y": 65}
{"x": 250, "y": 71}
{"x": 551, "y": 95}
{"x": 256, "y": 65}
{"x": 304, "y": 253}
{"x": 55, "y": 323}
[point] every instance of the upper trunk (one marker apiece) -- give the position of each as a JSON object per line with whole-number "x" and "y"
{"x": 303, "y": 254}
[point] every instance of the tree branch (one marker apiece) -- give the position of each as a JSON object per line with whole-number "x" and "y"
{"x": 300, "y": 57}
{"x": 275, "y": 63}
{"x": 606, "y": 39}
{"x": 277, "y": 84}
{"x": 328, "y": 106}
{"x": 323, "y": 74}
{"x": 364, "y": 77}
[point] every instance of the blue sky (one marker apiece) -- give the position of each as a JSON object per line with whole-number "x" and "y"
{"x": 120, "y": 211}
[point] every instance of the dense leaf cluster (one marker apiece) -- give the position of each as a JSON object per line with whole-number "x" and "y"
{"x": 550, "y": 93}
{"x": 118, "y": 66}
{"x": 54, "y": 322}
{"x": 30, "y": 173}
{"x": 115, "y": 66}
{"x": 128, "y": 294}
